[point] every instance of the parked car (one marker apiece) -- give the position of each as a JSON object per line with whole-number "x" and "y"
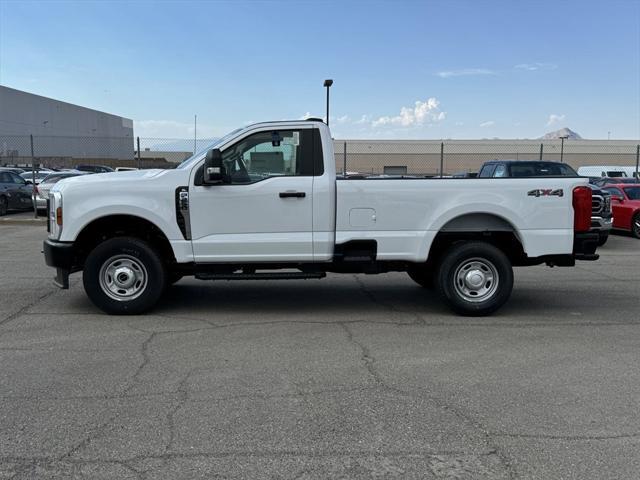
{"x": 42, "y": 190}
{"x": 94, "y": 168}
{"x": 603, "y": 171}
{"x": 601, "y": 215}
{"x": 15, "y": 193}
{"x": 15, "y": 170}
{"x": 600, "y": 182}
{"x": 625, "y": 201}
{"x": 40, "y": 175}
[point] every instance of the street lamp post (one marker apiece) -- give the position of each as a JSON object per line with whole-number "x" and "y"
{"x": 327, "y": 84}
{"x": 563, "y": 138}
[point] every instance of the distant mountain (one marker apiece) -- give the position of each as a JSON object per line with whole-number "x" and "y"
{"x": 563, "y": 132}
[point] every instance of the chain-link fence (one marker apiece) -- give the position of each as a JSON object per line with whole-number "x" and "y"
{"x": 462, "y": 157}
{"x": 367, "y": 157}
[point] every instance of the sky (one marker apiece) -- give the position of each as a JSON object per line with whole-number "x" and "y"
{"x": 401, "y": 69}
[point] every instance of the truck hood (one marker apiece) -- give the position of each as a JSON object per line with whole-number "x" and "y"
{"x": 115, "y": 179}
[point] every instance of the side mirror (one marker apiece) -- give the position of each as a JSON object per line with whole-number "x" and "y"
{"x": 619, "y": 198}
{"x": 213, "y": 169}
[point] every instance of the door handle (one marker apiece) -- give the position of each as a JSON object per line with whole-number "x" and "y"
{"x": 292, "y": 194}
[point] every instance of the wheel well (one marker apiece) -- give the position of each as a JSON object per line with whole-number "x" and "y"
{"x": 112, "y": 226}
{"x": 505, "y": 240}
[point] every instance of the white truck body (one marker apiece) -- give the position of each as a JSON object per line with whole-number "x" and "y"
{"x": 251, "y": 223}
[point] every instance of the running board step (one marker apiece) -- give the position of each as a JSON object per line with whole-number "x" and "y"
{"x": 260, "y": 276}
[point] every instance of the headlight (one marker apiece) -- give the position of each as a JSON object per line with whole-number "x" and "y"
{"x": 55, "y": 215}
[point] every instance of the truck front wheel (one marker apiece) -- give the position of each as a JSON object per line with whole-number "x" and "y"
{"x": 475, "y": 278}
{"x": 124, "y": 276}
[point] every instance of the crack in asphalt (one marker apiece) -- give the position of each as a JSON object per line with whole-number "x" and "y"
{"x": 369, "y": 363}
{"x": 24, "y": 308}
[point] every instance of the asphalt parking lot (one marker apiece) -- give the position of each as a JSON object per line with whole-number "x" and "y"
{"x": 348, "y": 377}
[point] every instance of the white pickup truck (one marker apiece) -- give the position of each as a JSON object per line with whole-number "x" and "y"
{"x": 264, "y": 202}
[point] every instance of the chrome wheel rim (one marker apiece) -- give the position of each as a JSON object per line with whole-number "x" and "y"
{"x": 476, "y": 280}
{"x": 123, "y": 278}
{"x": 636, "y": 225}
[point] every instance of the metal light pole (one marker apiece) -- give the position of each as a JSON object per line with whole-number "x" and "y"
{"x": 563, "y": 138}
{"x": 195, "y": 134}
{"x": 328, "y": 83}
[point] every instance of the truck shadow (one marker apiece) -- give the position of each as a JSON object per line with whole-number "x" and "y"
{"x": 396, "y": 300}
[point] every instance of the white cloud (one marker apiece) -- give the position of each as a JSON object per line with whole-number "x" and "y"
{"x": 489, "y": 123}
{"x": 465, "y": 72}
{"x": 536, "y": 66}
{"x": 305, "y": 116}
{"x": 343, "y": 119}
{"x": 554, "y": 119}
{"x": 171, "y": 129}
{"x": 363, "y": 119}
{"x": 421, "y": 113}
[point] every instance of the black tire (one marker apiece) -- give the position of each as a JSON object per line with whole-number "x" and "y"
{"x": 635, "y": 225}
{"x": 422, "y": 275}
{"x": 124, "y": 262}
{"x": 603, "y": 239}
{"x": 3, "y": 206}
{"x": 486, "y": 266}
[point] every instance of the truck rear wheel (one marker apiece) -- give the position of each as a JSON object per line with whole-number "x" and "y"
{"x": 124, "y": 276}
{"x": 474, "y": 278}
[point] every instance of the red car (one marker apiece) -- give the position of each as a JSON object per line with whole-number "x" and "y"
{"x": 625, "y": 203}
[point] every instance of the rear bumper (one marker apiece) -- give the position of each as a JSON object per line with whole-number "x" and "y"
{"x": 59, "y": 255}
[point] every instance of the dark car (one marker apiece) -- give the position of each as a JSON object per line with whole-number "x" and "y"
{"x": 601, "y": 182}
{"x": 521, "y": 168}
{"x": 601, "y": 216}
{"x": 15, "y": 193}
{"x": 94, "y": 168}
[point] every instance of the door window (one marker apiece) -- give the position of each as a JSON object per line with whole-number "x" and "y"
{"x": 501, "y": 171}
{"x": 17, "y": 179}
{"x": 268, "y": 154}
{"x": 487, "y": 171}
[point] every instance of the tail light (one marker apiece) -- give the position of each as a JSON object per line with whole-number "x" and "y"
{"x": 581, "y": 209}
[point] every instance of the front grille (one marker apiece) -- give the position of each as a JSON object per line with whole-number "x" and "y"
{"x": 607, "y": 204}
{"x": 597, "y": 204}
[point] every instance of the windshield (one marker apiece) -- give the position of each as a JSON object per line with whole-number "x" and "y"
{"x": 632, "y": 192}
{"x": 195, "y": 157}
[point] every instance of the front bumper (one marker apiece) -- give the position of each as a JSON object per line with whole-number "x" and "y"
{"x": 59, "y": 255}
{"x": 601, "y": 224}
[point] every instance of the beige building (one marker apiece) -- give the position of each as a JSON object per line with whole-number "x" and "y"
{"x": 424, "y": 156}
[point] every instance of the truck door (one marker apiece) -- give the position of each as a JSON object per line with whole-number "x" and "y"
{"x": 263, "y": 211}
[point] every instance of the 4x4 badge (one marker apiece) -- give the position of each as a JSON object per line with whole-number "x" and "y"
{"x": 547, "y": 192}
